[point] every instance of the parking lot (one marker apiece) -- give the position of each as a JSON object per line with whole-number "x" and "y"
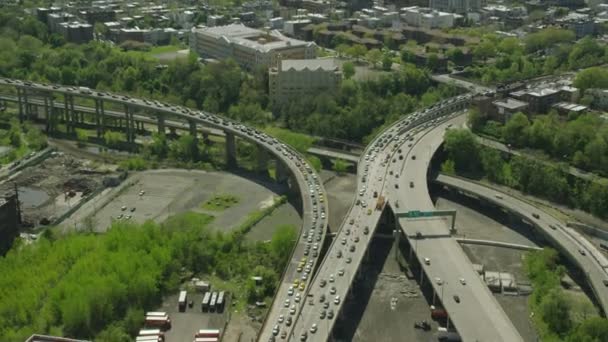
{"x": 169, "y": 192}
{"x": 186, "y": 324}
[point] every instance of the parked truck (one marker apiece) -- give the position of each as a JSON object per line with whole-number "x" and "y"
{"x": 183, "y": 297}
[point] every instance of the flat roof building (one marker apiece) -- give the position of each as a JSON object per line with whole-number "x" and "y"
{"x": 302, "y": 77}
{"x": 249, "y": 47}
{"x": 505, "y": 108}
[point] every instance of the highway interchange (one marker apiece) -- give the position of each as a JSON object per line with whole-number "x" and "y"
{"x": 394, "y": 167}
{"x": 409, "y": 144}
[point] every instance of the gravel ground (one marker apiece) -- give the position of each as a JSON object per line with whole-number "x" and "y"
{"x": 169, "y": 192}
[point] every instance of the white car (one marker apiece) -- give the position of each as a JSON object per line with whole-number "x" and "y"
{"x": 462, "y": 281}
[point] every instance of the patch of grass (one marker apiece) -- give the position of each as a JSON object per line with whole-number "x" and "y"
{"x": 256, "y": 216}
{"x": 221, "y": 202}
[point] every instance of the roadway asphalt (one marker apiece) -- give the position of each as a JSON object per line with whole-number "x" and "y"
{"x": 477, "y": 316}
{"x": 573, "y": 245}
{"x": 339, "y": 267}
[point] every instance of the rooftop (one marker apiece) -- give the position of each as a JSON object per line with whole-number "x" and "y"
{"x": 308, "y": 64}
{"x": 260, "y": 40}
{"x": 510, "y": 103}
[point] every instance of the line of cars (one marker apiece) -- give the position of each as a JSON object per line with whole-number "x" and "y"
{"x": 314, "y": 199}
{"x": 349, "y": 234}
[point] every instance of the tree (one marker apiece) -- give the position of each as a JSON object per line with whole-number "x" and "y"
{"x": 462, "y": 148}
{"x": 357, "y": 51}
{"x": 547, "y": 38}
{"x": 374, "y": 56}
{"x": 112, "y": 139}
{"x": 554, "y": 310}
{"x": 81, "y": 137}
{"x": 484, "y": 50}
{"x": 185, "y": 148}
{"x": 387, "y": 62}
{"x": 516, "y": 129}
{"x": 340, "y": 166}
{"x": 348, "y": 69}
{"x": 282, "y": 242}
{"x": 14, "y": 135}
{"x": 315, "y": 162}
{"x": 407, "y": 56}
{"x": 595, "y": 77}
{"x": 342, "y": 49}
{"x": 594, "y": 329}
{"x": 475, "y": 120}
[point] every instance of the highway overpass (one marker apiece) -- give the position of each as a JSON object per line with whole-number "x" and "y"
{"x": 58, "y": 105}
{"x": 569, "y": 242}
{"x": 382, "y": 173}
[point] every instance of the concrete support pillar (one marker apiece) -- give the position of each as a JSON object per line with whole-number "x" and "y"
{"x": 192, "y": 125}
{"x": 206, "y": 140}
{"x": 230, "y": 149}
{"x": 98, "y": 118}
{"x": 161, "y": 124}
{"x": 26, "y": 104}
{"x": 281, "y": 174}
{"x": 47, "y": 116}
{"x": 102, "y": 118}
{"x": 52, "y": 120}
{"x": 73, "y": 114}
{"x": 66, "y": 111}
{"x": 128, "y": 124}
{"x": 262, "y": 165}
{"x": 20, "y": 101}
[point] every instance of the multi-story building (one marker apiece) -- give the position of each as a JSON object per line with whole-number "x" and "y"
{"x": 302, "y": 77}
{"x": 539, "y": 100}
{"x": 9, "y": 220}
{"x": 247, "y": 46}
{"x": 55, "y": 19}
{"x": 427, "y": 18}
{"x": 456, "y": 6}
{"x": 76, "y": 32}
{"x": 582, "y": 24}
{"x": 505, "y": 108}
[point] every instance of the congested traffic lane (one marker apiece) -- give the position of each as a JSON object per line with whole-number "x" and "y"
{"x": 338, "y": 270}
{"x": 311, "y": 189}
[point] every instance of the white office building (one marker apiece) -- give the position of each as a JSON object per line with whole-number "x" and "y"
{"x": 249, "y": 47}
{"x": 427, "y": 18}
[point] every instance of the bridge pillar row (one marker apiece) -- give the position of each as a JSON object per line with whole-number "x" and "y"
{"x": 47, "y": 115}
{"x": 128, "y": 124}
{"x": 230, "y": 149}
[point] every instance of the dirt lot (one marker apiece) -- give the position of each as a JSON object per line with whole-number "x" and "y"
{"x": 58, "y": 183}
{"x": 386, "y": 303}
{"x": 172, "y": 191}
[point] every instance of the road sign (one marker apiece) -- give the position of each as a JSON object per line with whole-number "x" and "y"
{"x": 435, "y": 213}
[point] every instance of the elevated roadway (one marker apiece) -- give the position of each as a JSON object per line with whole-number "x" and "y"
{"x": 291, "y": 166}
{"x": 574, "y": 246}
{"x": 382, "y": 173}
